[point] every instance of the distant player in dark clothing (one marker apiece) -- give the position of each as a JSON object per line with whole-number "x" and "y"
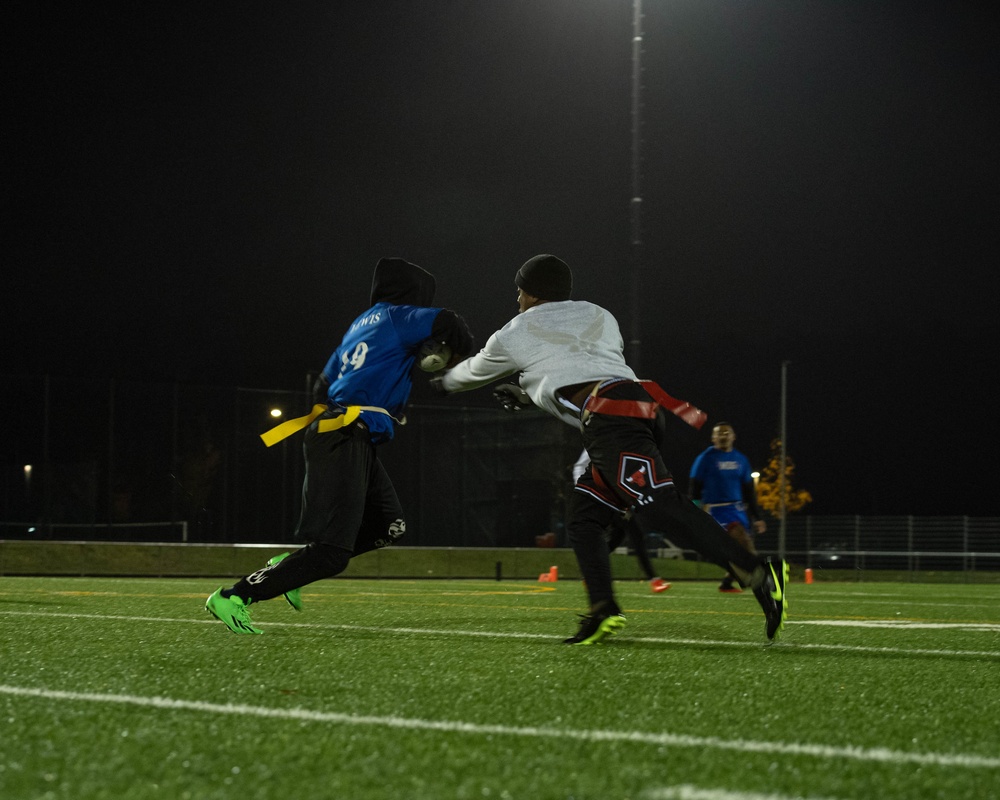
{"x": 349, "y": 505}
{"x": 722, "y": 484}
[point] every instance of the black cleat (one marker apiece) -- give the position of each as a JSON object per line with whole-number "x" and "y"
{"x": 770, "y": 593}
{"x": 594, "y": 627}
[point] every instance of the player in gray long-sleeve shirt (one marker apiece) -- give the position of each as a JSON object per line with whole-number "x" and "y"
{"x": 570, "y": 356}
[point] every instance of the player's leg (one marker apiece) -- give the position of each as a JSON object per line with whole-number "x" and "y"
{"x": 615, "y": 533}
{"x": 736, "y": 523}
{"x": 382, "y": 523}
{"x": 637, "y": 536}
{"x": 587, "y": 522}
{"x": 315, "y": 561}
{"x": 626, "y": 455}
{"x": 693, "y": 529}
{"x": 337, "y": 464}
{"x": 688, "y": 526}
{"x": 728, "y": 584}
{"x": 685, "y": 522}
{"x": 638, "y": 539}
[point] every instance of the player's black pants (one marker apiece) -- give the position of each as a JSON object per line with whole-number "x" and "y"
{"x": 625, "y": 452}
{"x": 349, "y": 507}
{"x": 617, "y": 533}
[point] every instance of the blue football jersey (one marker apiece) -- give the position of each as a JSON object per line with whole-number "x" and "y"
{"x": 372, "y": 365}
{"x": 722, "y": 475}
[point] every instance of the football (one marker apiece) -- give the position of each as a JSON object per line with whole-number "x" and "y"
{"x": 433, "y": 356}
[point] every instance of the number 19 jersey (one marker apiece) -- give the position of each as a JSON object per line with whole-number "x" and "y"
{"x": 372, "y": 365}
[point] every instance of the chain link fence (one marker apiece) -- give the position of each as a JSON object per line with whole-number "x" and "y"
{"x": 129, "y": 461}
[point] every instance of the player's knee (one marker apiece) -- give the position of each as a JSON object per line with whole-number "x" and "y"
{"x": 592, "y": 526}
{"x": 331, "y": 559}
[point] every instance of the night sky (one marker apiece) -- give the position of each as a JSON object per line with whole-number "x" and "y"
{"x": 200, "y": 193}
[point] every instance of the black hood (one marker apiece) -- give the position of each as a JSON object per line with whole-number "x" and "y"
{"x": 402, "y": 283}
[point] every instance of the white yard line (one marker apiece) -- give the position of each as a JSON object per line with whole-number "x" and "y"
{"x": 784, "y": 644}
{"x": 689, "y": 792}
{"x": 902, "y": 624}
{"x": 875, "y": 754}
{"x": 894, "y": 601}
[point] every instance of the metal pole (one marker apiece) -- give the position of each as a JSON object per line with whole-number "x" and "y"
{"x": 782, "y": 487}
{"x": 111, "y": 454}
{"x": 237, "y": 490}
{"x": 635, "y": 205}
{"x": 47, "y": 481}
{"x": 175, "y": 466}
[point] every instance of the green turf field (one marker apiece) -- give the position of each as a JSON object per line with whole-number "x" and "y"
{"x": 113, "y": 688}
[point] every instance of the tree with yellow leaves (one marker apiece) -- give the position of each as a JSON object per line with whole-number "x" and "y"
{"x": 769, "y": 485}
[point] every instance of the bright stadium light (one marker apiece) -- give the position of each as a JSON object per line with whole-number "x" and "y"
{"x": 275, "y": 412}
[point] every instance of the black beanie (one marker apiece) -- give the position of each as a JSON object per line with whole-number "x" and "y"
{"x": 546, "y": 277}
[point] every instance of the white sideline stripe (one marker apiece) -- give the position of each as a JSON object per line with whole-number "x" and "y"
{"x": 899, "y": 623}
{"x": 783, "y": 644}
{"x": 688, "y": 792}
{"x": 878, "y": 754}
{"x": 837, "y": 648}
{"x": 888, "y": 601}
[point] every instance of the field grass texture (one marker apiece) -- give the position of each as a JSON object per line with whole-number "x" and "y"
{"x": 436, "y": 689}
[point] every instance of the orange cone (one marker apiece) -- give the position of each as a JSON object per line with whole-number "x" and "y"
{"x": 553, "y": 574}
{"x": 809, "y": 576}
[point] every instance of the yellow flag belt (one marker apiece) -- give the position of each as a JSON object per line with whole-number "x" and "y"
{"x": 287, "y": 428}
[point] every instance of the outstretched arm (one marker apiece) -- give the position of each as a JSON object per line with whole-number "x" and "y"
{"x": 489, "y": 364}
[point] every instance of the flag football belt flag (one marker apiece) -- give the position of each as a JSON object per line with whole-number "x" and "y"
{"x": 286, "y": 429}
{"x": 693, "y": 416}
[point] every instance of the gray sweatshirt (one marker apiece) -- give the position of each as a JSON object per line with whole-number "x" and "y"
{"x": 554, "y": 344}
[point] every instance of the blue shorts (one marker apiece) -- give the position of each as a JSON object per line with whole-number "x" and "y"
{"x": 727, "y": 514}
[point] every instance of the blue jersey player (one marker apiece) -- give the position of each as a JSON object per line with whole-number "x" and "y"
{"x": 349, "y": 505}
{"x": 722, "y": 483}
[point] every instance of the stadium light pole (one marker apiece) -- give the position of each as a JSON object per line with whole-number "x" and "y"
{"x": 635, "y": 204}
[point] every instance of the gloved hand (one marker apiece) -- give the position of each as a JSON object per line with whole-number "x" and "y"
{"x": 511, "y": 396}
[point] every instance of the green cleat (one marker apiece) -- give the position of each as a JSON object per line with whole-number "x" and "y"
{"x": 770, "y": 593}
{"x": 594, "y": 627}
{"x": 781, "y": 580}
{"x": 231, "y": 611}
{"x": 294, "y": 596}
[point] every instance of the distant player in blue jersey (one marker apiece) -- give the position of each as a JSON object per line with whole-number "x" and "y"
{"x": 722, "y": 483}
{"x": 349, "y": 505}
